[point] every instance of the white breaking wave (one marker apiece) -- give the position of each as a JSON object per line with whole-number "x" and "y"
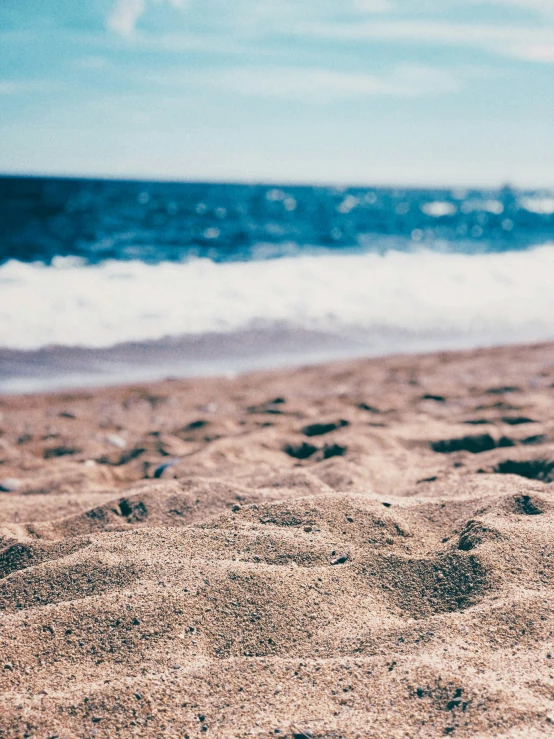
{"x": 424, "y": 294}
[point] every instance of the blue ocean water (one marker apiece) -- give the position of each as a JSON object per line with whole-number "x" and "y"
{"x": 41, "y": 218}
{"x": 105, "y": 281}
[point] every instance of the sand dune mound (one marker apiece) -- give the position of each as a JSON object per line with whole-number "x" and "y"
{"x": 388, "y": 589}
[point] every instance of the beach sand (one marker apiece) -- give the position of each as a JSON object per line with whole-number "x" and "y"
{"x": 360, "y": 549}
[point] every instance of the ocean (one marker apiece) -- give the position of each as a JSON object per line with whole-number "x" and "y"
{"x": 110, "y": 281}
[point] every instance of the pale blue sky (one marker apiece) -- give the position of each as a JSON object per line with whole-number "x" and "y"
{"x": 350, "y": 91}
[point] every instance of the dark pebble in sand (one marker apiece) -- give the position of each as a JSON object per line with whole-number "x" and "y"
{"x": 369, "y": 408}
{"x": 318, "y": 429}
{"x": 199, "y": 424}
{"x": 333, "y": 450}
{"x": 158, "y": 472}
{"x": 340, "y": 559}
{"x": 300, "y": 451}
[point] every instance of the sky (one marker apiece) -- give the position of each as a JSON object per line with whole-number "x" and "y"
{"x": 407, "y": 92}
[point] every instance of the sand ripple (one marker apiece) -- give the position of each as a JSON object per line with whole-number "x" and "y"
{"x": 362, "y": 550}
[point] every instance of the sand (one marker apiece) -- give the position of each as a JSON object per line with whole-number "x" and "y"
{"x": 361, "y": 549}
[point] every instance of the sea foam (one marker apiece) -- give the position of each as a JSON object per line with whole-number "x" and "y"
{"x": 494, "y": 297}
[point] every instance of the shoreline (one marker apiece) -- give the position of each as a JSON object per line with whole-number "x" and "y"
{"x": 360, "y": 548}
{"x": 279, "y": 348}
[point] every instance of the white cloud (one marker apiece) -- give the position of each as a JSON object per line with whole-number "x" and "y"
{"x": 125, "y": 14}
{"x": 536, "y": 52}
{"x": 409, "y": 21}
{"x": 533, "y": 43}
{"x": 323, "y": 84}
{"x": 245, "y": 14}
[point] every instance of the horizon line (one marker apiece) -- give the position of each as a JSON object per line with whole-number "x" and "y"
{"x": 271, "y": 182}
